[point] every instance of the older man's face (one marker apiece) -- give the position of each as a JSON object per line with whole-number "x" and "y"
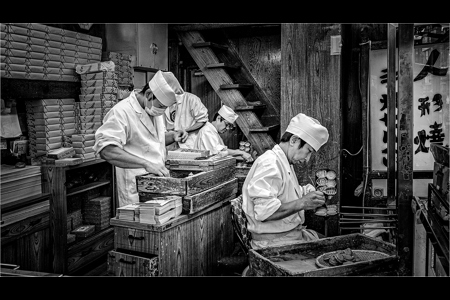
{"x": 298, "y": 155}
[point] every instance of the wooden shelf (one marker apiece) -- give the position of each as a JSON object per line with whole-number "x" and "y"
{"x": 10, "y": 206}
{"x": 86, "y": 187}
{"x": 77, "y": 245}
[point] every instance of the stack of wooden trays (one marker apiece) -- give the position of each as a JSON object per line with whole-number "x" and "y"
{"x": 201, "y": 183}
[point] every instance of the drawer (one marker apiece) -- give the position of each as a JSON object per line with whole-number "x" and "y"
{"x": 136, "y": 240}
{"x": 123, "y": 262}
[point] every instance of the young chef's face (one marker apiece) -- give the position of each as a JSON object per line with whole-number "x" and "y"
{"x": 224, "y": 125}
{"x": 299, "y": 155}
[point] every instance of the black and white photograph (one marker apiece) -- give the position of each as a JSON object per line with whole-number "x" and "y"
{"x": 229, "y": 150}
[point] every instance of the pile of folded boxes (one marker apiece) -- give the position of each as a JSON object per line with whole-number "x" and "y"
{"x": 49, "y": 121}
{"x": 97, "y": 96}
{"x": 124, "y": 71}
{"x": 82, "y": 144}
{"x": 40, "y": 52}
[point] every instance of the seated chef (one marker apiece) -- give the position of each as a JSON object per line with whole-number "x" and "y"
{"x": 209, "y": 138}
{"x": 273, "y": 200}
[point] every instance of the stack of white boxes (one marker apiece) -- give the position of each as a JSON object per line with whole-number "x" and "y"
{"x": 82, "y": 144}
{"x": 124, "y": 71}
{"x": 40, "y": 52}
{"x": 49, "y": 121}
{"x": 98, "y": 94}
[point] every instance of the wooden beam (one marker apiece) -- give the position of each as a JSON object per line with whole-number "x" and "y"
{"x": 223, "y": 65}
{"x": 250, "y": 107}
{"x": 405, "y": 144}
{"x": 238, "y": 86}
{"x": 211, "y": 45}
{"x": 264, "y": 128}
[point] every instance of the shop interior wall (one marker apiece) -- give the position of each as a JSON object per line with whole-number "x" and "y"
{"x": 311, "y": 85}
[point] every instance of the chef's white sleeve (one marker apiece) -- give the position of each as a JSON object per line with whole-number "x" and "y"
{"x": 114, "y": 131}
{"x": 263, "y": 190}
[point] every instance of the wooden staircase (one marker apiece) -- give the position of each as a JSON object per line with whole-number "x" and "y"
{"x": 259, "y": 119}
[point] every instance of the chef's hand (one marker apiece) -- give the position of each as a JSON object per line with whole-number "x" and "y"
{"x": 157, "y": 169}
{"x": 180, "y": 135}
{"x": 247, "y": 157}
{"x": 313, "y": 200}
{"x": 309, "y": 188}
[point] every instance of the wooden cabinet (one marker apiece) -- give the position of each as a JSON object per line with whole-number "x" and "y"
{"x": 26, "y": 241}
{"x": 188, "y": 245}
{"x": 72, "y": 187}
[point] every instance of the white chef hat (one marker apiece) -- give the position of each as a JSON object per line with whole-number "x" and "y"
{"x": 309, "y": 130}
{"x": 164, "y": 86}
{"x": 228, "y": 114}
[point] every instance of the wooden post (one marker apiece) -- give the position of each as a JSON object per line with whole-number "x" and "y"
{"x": 364, "y": 88}
{"x": 391, "y": 100}
{"x": 405, "y": 148}
{"x": 58, "y": 213}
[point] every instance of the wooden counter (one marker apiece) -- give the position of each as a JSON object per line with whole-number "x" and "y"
{"x": 188, "y": 245}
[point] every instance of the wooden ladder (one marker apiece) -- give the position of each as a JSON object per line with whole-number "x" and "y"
{"x": 219, "y": 65}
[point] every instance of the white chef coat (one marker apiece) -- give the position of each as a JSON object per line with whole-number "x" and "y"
{"x": 189, "y": 110}
{"x": 270, "y": 182}
{"x": 129, "y": 127}
{"x": 208, "y": 138}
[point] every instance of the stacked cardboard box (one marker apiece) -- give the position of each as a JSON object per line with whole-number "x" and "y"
{"x": 40, "y": 52}
{"x": 124, "y": 71}
{"x": 97, "y": 212}
{"x": 98, "y": 94}
{"x": 48, "y": 122}
{"x": 82, "y": 144}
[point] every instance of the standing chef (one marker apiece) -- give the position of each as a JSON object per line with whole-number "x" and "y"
{"x": 273, "y": 200}
{"x": 189, "y": 114}
{"x": 133, "y": 138}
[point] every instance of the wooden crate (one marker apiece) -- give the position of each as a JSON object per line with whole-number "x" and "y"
{"x": 201, "y": 165}
{"x": 199, "y": 201}
{"x": 188, "y": 245}
{"x": 305, "y": 254}
{"x": 123, "y": 262}
{"x": 181, "y": 182}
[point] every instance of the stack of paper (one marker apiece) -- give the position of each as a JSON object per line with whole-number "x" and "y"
{"x": 123, "y": 70}
{"x": 160, "y": 209}
{"x": 128, "y": 212}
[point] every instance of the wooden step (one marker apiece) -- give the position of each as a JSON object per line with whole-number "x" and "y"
{"x": 238, "y": 86}
{"x": 250, "y": 107}
{"x": 222, "y": 65}
{"x": 209, "y": 44}
{"x": 265, "y": 128}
